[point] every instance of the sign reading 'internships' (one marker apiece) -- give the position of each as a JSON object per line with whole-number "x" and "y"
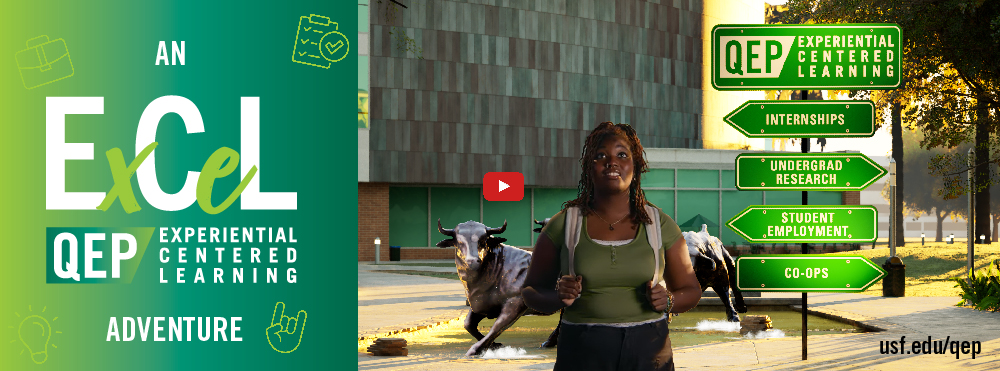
{"x": 814, "y": 171}
{"x": 847, "y": 56}
{"x": 810, "y": 119}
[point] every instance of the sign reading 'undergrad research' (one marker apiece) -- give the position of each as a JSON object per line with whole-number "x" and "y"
{"x": 828, "y": 56}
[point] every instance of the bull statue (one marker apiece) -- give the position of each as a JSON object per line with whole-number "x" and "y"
{"x": 715, "y": 267}
{"x": 492, "y": 274}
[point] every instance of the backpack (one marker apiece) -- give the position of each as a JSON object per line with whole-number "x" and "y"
{"x": 574, "y": 225}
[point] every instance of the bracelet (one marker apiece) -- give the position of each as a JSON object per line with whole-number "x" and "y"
{"x": 670, "y": 306}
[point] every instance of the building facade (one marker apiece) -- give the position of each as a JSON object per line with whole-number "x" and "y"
{"x": 457, "y": 89}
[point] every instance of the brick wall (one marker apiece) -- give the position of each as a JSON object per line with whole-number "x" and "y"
{"x": 850, "y": 198}
{"x": 373, "y": 220}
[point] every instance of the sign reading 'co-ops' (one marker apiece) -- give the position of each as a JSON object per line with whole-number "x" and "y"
{"x": 828, "y": 56}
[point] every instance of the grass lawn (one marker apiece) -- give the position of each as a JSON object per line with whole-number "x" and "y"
{"x": 929, "y": 268}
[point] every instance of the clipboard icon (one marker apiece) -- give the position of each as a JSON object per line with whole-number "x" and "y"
{"x": 318, "y": 42}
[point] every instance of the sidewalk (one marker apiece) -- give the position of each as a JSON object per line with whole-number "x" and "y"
{"x": 913, "y": 317}
{"x": 391, "y": 302}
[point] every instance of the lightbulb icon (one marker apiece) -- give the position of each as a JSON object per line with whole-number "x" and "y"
{"x": 35, "y": 332}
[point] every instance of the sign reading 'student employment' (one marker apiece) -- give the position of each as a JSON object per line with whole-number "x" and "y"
{"x": 806, "y": 223}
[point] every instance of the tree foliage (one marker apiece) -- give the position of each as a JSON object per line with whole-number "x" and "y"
{"x": 922, "y": 196}
{"x": 950, "y": 77}
{"x": 950, "y": 66}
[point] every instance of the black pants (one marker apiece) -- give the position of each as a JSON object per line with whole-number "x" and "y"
{"x": 640, "y": 348}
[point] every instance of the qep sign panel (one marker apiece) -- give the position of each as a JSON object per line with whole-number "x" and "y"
{"x": 834, "y": 56}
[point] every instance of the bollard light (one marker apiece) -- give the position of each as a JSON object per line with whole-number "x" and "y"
{"x": 377, "y": 243}
{"x": 982, "y": 238}
{"x": 922, "y": 239}
{"x": 951, "y": 239}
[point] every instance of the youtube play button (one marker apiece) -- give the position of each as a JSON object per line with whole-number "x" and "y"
{"x": 503, "y": 186}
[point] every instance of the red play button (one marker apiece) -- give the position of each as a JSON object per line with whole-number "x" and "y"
{"x": 503, "y": 186}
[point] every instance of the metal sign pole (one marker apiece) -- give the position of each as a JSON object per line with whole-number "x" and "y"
{"x": 892, "y": 207}
{"x": 971, "y": 225}
{"x": 805, "y": 250}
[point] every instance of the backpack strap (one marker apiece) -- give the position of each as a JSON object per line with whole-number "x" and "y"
{"x": 655, "y": 241}
{"x": 574, "y": 224}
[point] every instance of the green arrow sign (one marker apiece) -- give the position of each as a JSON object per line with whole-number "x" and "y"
{"x": 806, "y": 273}
{"x": 804, "y": 119}
{"x": 806, "y": 172}
{"x": 796, "y": 223}
{"x": 829, "y": 56}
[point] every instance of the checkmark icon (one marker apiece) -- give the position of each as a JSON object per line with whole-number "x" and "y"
{"x": 302, "y": 53}
{"x": 307, "y": 28}
{"x": 304, "y": 41}
{"x": 333, "y": 48}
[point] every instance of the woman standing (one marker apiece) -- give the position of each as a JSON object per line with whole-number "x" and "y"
{"x": 615, "y": 316}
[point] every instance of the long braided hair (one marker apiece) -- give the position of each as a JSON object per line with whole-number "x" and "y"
{"x": 585, "y": 189}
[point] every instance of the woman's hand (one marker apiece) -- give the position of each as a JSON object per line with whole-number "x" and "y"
{"x": 570, "y": 288}
{"x": 658, "y": 296}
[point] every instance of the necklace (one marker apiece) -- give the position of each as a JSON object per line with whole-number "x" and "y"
{"x": 611, "y": 226}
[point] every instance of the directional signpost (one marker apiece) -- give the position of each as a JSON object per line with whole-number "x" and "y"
{"x": 818, "y": 56}
{"x": 813, "y": 171}
{"x": 804, "y": 273}
{"x": 813, "y": 224}
{"x": 803, "y": 57}
{"x": 809, "y": 119}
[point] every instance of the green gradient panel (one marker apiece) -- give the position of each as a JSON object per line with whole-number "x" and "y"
{"x": 408, "y": 216}
{"x": 232, "y": 50}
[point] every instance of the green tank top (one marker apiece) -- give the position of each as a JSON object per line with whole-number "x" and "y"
{"x": 614, "y": 278}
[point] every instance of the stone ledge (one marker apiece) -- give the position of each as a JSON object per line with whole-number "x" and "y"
{"x": 869, "y": 324}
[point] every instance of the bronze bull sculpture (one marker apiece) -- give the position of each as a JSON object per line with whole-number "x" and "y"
{"x": 492, "y": 274}
{"x": 715, "y": 267}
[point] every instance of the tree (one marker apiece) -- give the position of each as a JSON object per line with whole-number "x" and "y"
{"x": 922, "y": 196}
{"x": 950, "y": 73}
{"x": 404, "y": 43}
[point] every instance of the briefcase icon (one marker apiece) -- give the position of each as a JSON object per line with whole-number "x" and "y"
{"x": 43, "y": 62}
